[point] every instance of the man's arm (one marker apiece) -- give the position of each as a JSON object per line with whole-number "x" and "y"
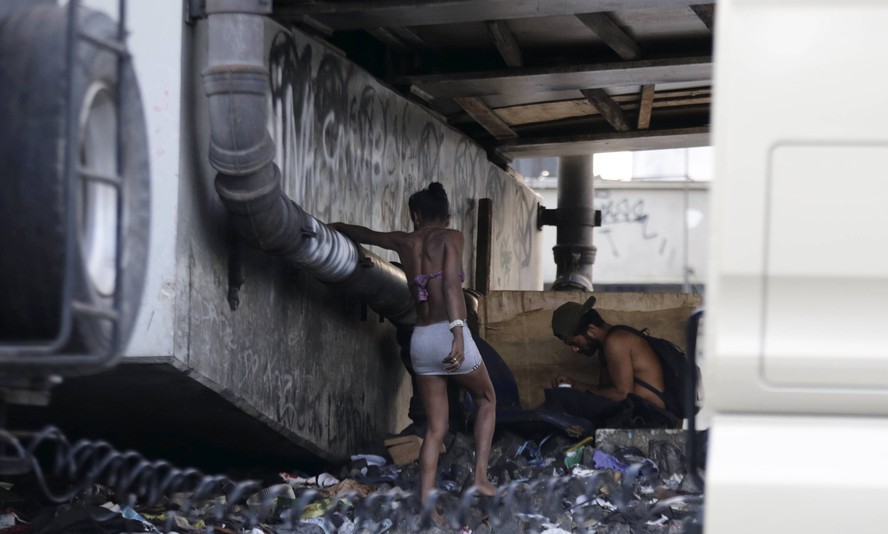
{"x": 572, "y": 382}
{"x": 361, "y": 234}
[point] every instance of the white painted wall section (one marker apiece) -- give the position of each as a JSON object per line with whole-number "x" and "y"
{"x": 651, "y": 233}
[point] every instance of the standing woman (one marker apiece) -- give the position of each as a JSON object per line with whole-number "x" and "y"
{"x": 441, "y": 345}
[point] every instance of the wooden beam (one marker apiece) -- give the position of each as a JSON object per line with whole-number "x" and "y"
{"x": 389, "y": 39}
{"x": 566, "y": 109}
{"x": 313, "y": 23}
{"x": 410, "y": 37}
{"x": 610, "y": 110}
{"x": 645, "y": 106}
{"x": 415, "y": 90}
{"x": 576, "y": 145}
{"x": 537, "y": 81}
{"x": 546, "y": 111}
{"x": 682, "y": 102}
{"x": 505, "y": 42}
{"x": 485, "y": 116}
{"x": 536, "y": 114}
{"x": 706, "y": 13}
{"x": 612, "y": 35}
{"x": 341, "y": 15}
{"x": 484, "y": 246}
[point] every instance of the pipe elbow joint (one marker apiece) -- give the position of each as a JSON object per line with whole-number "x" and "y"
{"x": 239, "y": 142}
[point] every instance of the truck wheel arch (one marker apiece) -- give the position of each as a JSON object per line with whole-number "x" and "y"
{"x": 32, "y": 182}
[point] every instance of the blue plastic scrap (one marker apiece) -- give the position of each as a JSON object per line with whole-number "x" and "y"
{"x": 533, "y": 450}
{"x": 603, "y": 460}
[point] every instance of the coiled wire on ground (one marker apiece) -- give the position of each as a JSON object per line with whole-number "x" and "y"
{"x": 137, "y": 480}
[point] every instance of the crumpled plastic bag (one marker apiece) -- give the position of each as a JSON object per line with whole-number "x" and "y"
{"x": 602, "y": 460}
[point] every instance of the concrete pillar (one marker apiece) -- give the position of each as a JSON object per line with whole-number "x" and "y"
{"x": 574, "y": 251}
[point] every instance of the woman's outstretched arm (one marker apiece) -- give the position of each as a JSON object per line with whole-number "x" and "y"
{"x": 387, "y": 240}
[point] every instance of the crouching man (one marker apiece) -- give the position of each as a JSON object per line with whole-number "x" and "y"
{"x": 630, "y": 394}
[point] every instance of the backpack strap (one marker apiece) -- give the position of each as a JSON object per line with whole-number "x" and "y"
{"x": 652, "y": 389}
{"x": 644, "y": 334}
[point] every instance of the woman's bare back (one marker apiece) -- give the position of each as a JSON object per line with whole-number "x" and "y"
{"x": 433, "y": 263}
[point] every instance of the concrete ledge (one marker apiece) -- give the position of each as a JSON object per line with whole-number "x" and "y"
{"x": 608, "y": 439}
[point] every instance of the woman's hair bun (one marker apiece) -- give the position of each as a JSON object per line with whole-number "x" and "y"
{"x": 430, "y": 202}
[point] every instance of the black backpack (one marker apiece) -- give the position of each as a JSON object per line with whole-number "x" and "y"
{"x": 675, "y": 364}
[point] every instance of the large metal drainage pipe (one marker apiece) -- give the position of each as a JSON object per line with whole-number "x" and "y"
{"x": 574, "y": 251}
{"x": 241, "y": 150}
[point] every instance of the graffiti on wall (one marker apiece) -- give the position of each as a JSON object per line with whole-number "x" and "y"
{"x": 346, "y": 146}
{"x": 650, "y": 236}
{"x": 350, "y": 150}
{"x": 626, "y": 211}
{"x": 377, "y": 148}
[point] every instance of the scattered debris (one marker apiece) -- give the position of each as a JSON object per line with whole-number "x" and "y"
{"x": 549, "y": 484}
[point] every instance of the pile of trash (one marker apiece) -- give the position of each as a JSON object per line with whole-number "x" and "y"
{"x": 547, "y": 485}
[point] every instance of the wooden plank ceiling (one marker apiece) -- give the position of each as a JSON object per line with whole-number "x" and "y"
{"x": 533, "y": 78}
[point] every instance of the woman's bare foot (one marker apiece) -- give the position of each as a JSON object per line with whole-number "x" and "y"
{"x": 439, "y": 520}
{"x": 486, "y": 488}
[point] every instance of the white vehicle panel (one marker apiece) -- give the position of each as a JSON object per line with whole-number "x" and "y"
{"x": 796, "y": 293}
{"x": 796, "y": 474}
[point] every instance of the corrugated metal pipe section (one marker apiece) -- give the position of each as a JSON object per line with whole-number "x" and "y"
{"x": 241, "y": 149}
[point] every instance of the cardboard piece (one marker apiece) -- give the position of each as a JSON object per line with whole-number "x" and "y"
{"x": 405, "y": 449}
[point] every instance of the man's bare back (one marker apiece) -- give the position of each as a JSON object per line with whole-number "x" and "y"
{"x": 628, "y": 358}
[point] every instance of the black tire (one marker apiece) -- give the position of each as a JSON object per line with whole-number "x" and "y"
{"x": 32, "y": 184}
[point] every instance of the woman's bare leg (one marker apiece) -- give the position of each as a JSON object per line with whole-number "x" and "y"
{"x": 433, "y": 391}
{"x": 478, "y": 384}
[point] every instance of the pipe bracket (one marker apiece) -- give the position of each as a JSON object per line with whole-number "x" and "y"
{"x": 574, "y": 216}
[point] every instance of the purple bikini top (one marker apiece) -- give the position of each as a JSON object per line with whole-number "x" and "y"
{"x": 421, "y": 282}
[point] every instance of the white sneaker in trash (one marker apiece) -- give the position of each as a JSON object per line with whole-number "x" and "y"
{"x": 325, "y": 480}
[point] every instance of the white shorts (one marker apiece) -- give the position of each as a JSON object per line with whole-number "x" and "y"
{"x": 430, "y": 344}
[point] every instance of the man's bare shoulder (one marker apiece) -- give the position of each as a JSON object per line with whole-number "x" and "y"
{"x": 618, "y": 334}
{"x": 619, "y": 338}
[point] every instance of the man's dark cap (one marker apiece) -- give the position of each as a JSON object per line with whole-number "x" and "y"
{"x": 566, "y": 318}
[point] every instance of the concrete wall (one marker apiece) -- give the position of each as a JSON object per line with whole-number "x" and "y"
{"x": 309, "y": 362}
{"x": 652, "y": 233}
{"x": 518, "y": 325}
